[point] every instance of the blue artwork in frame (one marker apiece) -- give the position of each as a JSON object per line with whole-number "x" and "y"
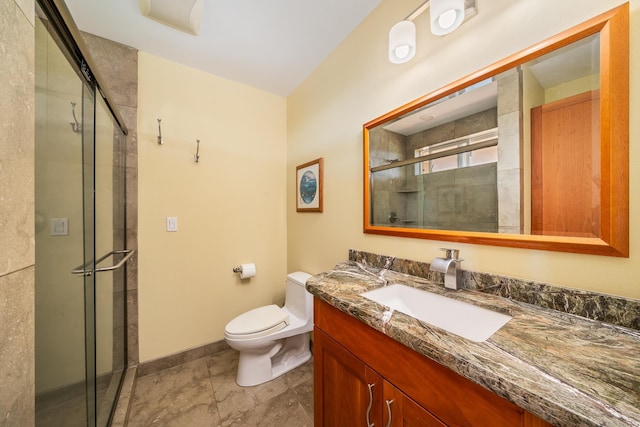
{"x": 309, "y": 186}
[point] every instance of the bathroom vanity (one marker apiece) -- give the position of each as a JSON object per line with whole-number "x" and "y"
{"x": 380, "y": 363}
{"x": 351, "y": 357}
{"x": 382, "y": 368}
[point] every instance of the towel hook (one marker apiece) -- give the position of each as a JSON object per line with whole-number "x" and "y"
{"x": 196, "y": 157}
{"x": 76, "y": 126}
{"x": 160, "y": 140}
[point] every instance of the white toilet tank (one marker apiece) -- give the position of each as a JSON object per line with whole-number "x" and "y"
{"x": 298, "y": 301}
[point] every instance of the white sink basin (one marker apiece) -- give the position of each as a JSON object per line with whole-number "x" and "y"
{"x": 466, "y": 320}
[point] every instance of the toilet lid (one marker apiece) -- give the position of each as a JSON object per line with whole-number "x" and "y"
{"x": 259, "y": 321}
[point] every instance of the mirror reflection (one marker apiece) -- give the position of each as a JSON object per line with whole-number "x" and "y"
{"x": 516, "y": 153}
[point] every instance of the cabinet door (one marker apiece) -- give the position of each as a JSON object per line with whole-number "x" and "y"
{"x": 347, "y": 393}
{"x": 401, "y": 411}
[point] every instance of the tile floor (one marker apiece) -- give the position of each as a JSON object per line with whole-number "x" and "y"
{"x": 204, "y": 393}
{"x": 68, "y": 406}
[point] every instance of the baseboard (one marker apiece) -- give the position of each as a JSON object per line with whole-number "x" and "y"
{"x": 153, "y": 366}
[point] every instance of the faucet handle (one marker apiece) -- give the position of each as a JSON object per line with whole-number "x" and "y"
{"x": 451, "y": 253}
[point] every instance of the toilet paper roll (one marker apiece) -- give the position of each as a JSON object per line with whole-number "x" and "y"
{"x": 247, "y": 270}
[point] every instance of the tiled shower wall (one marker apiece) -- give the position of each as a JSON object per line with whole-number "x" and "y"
{"x": 464, "y": 198}
{"x": 118, "y": 66}
{"x": 386, "y": 146}
{"x": 17, "y": 250}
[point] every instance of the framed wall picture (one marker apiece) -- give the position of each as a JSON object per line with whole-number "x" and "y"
{"x": 309, "y": 186}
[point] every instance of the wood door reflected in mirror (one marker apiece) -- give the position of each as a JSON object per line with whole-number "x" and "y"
{"x": 530, "y": 152}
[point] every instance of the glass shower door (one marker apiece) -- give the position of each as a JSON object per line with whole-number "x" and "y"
{"x": 110, "y": 271}
{"x": 60, "y": 350}
{"x": 80, "y": 241}
{"x": 104, "y": 269}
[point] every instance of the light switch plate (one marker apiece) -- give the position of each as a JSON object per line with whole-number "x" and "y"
{"x": 172, "y": 223}
{"x": 59, "y": 226}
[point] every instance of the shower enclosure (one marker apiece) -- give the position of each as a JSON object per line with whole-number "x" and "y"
{"x": 80, "y": 314}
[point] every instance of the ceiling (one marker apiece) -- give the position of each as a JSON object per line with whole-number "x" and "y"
{"x": 270, "y": 45}
{"x": 579, "y": 59}
{"x": 470, "y": 100}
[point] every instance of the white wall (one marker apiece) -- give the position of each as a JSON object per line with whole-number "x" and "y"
{"x": 231, "y": 206}
{"x": 357, "y": 84}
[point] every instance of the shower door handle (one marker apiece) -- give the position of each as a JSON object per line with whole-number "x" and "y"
{"x": 128, "y": 254}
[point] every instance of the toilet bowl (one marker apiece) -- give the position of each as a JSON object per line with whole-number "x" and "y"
{"x": 273, "y": 340}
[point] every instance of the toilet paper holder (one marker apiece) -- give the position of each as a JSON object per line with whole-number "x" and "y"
{"x": 246, "y": 271}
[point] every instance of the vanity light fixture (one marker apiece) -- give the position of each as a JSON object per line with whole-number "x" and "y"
{"x": 402, "y": 42}
{"x": 445, "y": 17}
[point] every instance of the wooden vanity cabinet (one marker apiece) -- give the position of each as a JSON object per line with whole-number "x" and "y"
{"x": 404, "y": 411}
{"x": 350, "y": 393}
{"x": 351, "y": 358}
{"x": 340, "y": 385}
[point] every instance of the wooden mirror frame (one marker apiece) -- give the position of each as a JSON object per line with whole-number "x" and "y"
{"x": 613, "y": 27}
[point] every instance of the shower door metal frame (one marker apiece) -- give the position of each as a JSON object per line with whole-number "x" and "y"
{"x": 62, "y": 22}
{"x": 70, "y": 40}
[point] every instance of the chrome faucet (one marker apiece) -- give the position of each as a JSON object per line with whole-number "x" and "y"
{"x": 385, "y": 268}
{"x": 448, "y": 266}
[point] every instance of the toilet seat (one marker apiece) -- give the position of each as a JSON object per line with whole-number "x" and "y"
{"x": 258, "y": 322}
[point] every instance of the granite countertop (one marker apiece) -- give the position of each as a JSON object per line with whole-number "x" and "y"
{"x": 566, "y": 369}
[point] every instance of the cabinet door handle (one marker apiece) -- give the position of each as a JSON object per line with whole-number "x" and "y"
{"x": 369, "y": 423}
{"x": 389, "y": 402}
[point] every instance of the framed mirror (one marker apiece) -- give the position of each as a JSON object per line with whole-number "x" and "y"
{"x": 530, "y": 152}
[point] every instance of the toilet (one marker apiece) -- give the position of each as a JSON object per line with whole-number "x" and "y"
{"x": 273, "y": 340}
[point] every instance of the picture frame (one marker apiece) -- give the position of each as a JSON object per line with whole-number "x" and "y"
{"x": 309, "y": 193}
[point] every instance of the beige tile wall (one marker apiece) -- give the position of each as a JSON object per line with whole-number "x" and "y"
{"x": 17, "y": 251}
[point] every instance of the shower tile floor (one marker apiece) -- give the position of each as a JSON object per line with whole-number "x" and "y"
{"x": 204, "y": 393}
